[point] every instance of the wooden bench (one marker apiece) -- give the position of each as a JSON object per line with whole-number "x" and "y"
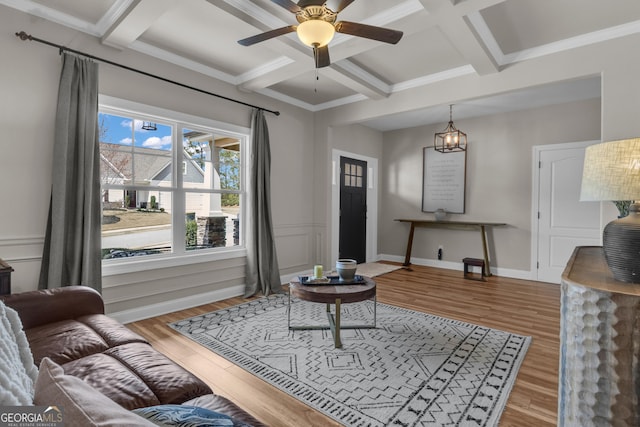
{"x": 476, "y": 262}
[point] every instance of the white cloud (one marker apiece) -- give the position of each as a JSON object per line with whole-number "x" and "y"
{"x": 155, "y": 142}
{"x": 126, "y": 141}
{"x": 126, "y": 124}
{"x": 137, "y": 125}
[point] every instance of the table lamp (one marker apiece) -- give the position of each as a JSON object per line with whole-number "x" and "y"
{"x": 612, "y": 172}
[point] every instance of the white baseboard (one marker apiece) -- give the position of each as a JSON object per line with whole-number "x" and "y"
{"x": 147, "y": 311}
{"x": 504, "y": 272}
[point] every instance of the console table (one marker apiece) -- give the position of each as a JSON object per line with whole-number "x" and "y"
{"x": 599, "y": 378}
{"x": 456, "y": 225}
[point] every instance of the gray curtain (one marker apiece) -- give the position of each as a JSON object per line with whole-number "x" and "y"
{"x": 262, "y": 271}
{"x": 71, "y": 253}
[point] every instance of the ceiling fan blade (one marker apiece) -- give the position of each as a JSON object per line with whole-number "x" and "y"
{"x": 337, "y": 5}
{"x": 321, "y": 56}
{"x": 289, "y": 5}
{"x": 267, "y": 35}
{"x": 369, "y": 32}
{"x": 305, "y": 3}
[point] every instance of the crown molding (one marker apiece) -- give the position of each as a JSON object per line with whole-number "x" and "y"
{"x": 41, "y": 11}
{"x": 582, "y": 40}
{"x": 181, "y": 61}
{"x": 267, "y": 68}
{"x": 433, "y": 78}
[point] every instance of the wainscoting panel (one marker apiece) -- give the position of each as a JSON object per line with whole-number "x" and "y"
{"x": 294, "y": 244}
{"x": 24, "y": 255}
{"x": 135, "y": 290}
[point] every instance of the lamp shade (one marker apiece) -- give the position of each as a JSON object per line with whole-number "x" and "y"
{"x": 315, "y": 32}
{"x": 612, "y": 171}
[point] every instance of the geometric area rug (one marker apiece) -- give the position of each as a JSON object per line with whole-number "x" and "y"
{"x": 413, "y": 369}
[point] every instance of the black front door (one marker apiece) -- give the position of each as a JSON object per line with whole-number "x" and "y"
{"x": 353, "y": 209}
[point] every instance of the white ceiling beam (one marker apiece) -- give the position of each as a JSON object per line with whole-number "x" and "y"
{"x": 272, "y": 77}
{"x": 135, "y": 21}
{"x": 356, "y": 78}
{"x": 455, "y": 25}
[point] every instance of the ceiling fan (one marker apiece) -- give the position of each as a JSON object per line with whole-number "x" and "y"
{"x": 317, "y": 26}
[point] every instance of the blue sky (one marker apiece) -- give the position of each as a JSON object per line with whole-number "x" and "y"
{"x": 118, "y": 131}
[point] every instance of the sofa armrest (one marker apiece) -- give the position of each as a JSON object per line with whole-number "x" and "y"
{"x": 53, "y": 305}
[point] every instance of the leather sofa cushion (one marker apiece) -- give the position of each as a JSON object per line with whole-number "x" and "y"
{"x": 64, "y": 341}
{"x": 136, "y": 375}
{"x": 82, "y": 405}
{"x": 111, "y": 378}
{"x": 112, "y": 332}
{"x": 69, "y": 340}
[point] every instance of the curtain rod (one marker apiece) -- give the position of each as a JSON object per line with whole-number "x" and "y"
{"x": 24, "y": 36}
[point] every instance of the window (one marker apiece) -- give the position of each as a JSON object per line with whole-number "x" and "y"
{"x": 353, "y": 175}
{"x": 176, "y": 189}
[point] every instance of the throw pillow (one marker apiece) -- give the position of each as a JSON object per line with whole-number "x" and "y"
{"x": 81, "y": 404}
{"x": 185, "y": 416}
{"x": 17, "y": 370}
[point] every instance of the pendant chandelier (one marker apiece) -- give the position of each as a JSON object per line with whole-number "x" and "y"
{"x": 451, "y": 139}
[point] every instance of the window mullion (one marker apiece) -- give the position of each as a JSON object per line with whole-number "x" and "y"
{"x": 179, "y": 227}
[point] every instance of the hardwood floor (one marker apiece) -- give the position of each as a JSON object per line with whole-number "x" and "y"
{"x": 518, "y": 306}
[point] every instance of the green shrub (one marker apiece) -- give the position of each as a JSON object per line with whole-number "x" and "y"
{"x": 230, "y": 200}
{"x": 192, "y": 233}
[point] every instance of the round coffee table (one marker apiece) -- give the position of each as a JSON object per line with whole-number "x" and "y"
{"x": 337, "y": 295}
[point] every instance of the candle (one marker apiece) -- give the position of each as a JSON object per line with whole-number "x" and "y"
{"x": 317, "y": 271}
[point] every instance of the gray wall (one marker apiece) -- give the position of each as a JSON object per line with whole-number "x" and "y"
{"x": 498, "y": 184}
{"x": 29, "y": 76}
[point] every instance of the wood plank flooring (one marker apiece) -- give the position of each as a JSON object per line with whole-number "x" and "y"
{"x": 518, "y": 306}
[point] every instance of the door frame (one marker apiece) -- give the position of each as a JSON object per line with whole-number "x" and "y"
{"x": 535, "y": 195}
{"x": 372, "y": 204}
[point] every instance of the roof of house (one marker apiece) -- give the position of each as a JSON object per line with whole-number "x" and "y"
{"x": 141, "y": 164}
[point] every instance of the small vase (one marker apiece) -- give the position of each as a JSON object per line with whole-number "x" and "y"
{"x": 440, "y": 214}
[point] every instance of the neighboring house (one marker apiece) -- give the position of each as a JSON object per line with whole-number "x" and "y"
{"x": 146, "y": 167}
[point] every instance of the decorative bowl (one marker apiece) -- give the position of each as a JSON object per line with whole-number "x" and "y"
{"x": 346, "y": 269}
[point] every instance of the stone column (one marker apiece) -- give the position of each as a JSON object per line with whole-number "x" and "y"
{"x": 212, "y": 231}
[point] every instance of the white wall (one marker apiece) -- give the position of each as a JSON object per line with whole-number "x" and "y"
{"x": 29, "y": 76}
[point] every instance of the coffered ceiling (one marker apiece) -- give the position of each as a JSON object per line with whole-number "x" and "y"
{"x": 442, "y": 39}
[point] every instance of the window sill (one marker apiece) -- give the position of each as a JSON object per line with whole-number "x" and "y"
{"x": 113, "y": 267}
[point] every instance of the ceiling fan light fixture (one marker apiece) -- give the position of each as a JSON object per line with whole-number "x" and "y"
{"x": 315, "y": 32}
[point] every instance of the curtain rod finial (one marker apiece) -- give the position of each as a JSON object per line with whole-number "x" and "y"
{"x": 24, "y": 36}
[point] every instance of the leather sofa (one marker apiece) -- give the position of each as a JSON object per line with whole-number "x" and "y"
{"x": 68, "y": 326}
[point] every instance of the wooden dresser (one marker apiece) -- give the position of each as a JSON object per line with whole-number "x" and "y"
{"x": 599, "y": 373}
